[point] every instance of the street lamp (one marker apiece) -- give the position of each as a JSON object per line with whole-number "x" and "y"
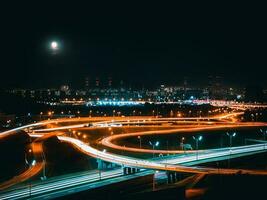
{"x": 197, "y": 139}
{"x": 264, "y": 133}
{"x": 264, "y": 136}
{"x": 230, "y": 145}
{"x": 41, "y": 113}
{"x": 154, "y": 145}
{"x": 30, "y": 165}
{"x": 33, "y": 163}
{"x": 182, "y": 143}
{"x": 140, "y": 141}
{"x": 44, "y": 167}
{"x": 200, "y": 113}
{"x": 230, "y": 138}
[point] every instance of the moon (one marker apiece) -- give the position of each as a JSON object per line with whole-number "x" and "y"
{"x": 54, "y": 45}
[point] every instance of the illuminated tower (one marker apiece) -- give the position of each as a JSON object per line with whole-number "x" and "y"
{"x": 184, "y": 87}
{"x": 86, "y": 83}
{"x": 110, "y": 82}
{"x": 97, "y": 82}
{"x": 215, "y": 87}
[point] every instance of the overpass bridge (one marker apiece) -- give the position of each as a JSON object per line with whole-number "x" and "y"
{"x": 68, "y": 184}
{"x": 128, "y": 166}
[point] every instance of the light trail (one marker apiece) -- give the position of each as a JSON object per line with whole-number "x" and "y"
{"x": 108, "y": 141}
{"x": 186, "y": 125}
{"x": 64, "y": 183}
{"x": 139, "y": 163}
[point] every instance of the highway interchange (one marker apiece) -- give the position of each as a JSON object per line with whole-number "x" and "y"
{"x": 180, "y": 163}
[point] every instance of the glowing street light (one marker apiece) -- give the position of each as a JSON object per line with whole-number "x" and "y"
{"x": 33, "y": 162}
{"x": 230, "y": 137}
{"x": 230, "y": 143}
{"x": 264, "y": 133}
{"x": 182, "y": 143}
{"x": 197, "y": 139}
{"x": 154, "y": 145}
{"x": 84, "y": 136}
{"x": 140, "y": 141}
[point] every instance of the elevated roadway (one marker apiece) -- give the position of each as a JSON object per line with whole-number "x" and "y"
{"x": 180, "y": 163}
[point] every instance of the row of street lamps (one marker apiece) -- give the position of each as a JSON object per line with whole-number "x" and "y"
{"x": 197, "y": 140}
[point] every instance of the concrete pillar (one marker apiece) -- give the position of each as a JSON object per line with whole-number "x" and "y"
{"x": 124, "y": 170}
{"x": 173, "y": 177}
{"x": 177, "y": 177}
{"x": 169, "y": 177}
{"x": 99, "y": 164}
{"x": 129, "y": 170}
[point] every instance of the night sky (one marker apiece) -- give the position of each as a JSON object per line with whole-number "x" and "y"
{"x": 141, "y": 44}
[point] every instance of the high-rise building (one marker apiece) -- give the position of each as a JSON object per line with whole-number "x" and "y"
{"x": 109, "y": 81}
{"x": 185, "y": 87}
{"x": 64, "y": 88}
{"x": 216, "y": 90}
{"x": 86, "y": 83}
{"x": 97, "y": 82}
{"x": 121, "y": 84}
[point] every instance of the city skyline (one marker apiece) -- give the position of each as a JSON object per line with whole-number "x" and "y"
{"x": 88, "y": 82}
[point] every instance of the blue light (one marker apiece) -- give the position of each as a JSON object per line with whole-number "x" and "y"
{"x": 113, "y": 103}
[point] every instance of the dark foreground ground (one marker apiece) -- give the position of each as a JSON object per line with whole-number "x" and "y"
{"x": 217, "y": 187}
